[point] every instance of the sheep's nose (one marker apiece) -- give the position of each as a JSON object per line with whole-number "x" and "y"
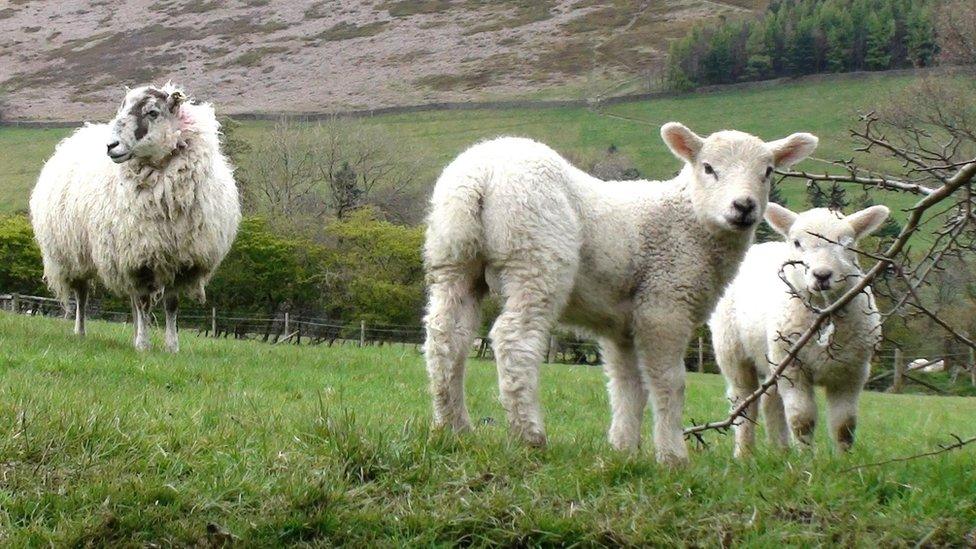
{"x": 823, "y": 275}
{"x": 112, "y": 145}
{"x": 744, "y": 206}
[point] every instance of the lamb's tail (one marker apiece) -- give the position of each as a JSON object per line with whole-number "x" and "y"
{"x": 455, "y": 233}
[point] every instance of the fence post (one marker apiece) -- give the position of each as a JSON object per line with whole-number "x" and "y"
{"x": 287, "y": 331}
{"x": 701, "y": 356}
{"x": 551, "y": 353}
{"x": 15, "y": 303}
{"x": 213, "y": 321}
{"x": 972, "y": 366}
{"x": 362, "y": 333}
{"x": 899, "y": 379}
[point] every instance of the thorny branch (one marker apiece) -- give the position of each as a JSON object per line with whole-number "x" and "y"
{"x": 943, "y": 448}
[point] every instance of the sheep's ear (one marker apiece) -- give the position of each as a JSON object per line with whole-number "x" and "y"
{"x": 174, "y": 100}
{"x": 779, "y": 218}
{"x": 868, "y": 220}
{"x": 792, "y": 149}
{"x": 684, "y": 143}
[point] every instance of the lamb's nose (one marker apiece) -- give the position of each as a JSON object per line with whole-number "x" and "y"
{"x": 823, "y": 275}
{"x": 112, "y": 145}
{"x": 744, "y": 206}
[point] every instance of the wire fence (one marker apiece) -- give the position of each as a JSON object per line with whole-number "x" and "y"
{"x": 288, "y": 328}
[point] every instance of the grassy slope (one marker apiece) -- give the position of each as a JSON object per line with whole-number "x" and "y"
{"x": 827, "y": 109}
{"x": 282, "y": 444}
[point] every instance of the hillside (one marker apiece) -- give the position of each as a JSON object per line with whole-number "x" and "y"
{"x": 67, "y": 60}
{"x": 269, "y": 445}
{"x": 827, "y": 108}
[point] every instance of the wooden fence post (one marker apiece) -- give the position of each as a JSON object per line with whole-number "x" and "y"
{"x": 551, "y": 353}
{"x": 899, "y": 379}
{"x": 15, "y": 303}
{"x": 701, "y": 356}
{"x": 213, "y": 321}
{"x": 362, "y": 333}
{"x": 287, "y": 325}
{"x": 972, "y": 366}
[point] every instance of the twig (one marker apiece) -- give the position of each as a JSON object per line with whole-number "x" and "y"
{"x": 959, "y": 443}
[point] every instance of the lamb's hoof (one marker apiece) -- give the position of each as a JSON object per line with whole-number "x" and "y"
{"x": 142, "y": 346}
{"x": 622, "y": 443}
{"x": 458, "y": 426}
{"x": 534, "y": 439}
{"x": 672, "y": 460}
{"x": 173, "y": 347}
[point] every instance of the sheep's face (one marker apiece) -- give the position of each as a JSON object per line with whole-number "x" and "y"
{"x": 820, "y": 242}
{"x": 731, "y": 171}
{"x": 147, "y": 125}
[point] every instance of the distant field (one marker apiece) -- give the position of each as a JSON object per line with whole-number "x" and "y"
{"x": 266, "y": 445}
{"x": 827, "y": 109}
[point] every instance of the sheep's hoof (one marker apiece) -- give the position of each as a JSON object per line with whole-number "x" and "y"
{"x": 458, "y": 426}
{"x": 535, "y": 439}
{"x": 672, "y": 460}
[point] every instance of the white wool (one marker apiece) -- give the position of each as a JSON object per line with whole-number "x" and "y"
{"x": 142, "y": 230}
{"x": 765, "y": 309}
{"x": 637, "y": 264}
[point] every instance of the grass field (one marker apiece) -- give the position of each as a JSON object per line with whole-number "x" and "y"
{"x": 827, "y": 109}
{"x": 267, "y": 445}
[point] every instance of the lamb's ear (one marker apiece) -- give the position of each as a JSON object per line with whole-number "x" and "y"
{"x": 779, "y": 218}
{"x": 684, "y": 143}
{"x": 792, "y": 149}
{"x": 174, "y": 100}
{"x": 868, "y": 220}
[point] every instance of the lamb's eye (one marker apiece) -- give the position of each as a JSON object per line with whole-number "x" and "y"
{"x": 154, "y": 114}
{"x": 796, "y": 243}
{"x": 769, "y": 171}
{"x": 708, "y": 169}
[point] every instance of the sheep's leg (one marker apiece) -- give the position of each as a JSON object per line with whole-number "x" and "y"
{"x": 172, "y": 305}
{"x": 140, "y": 319}
{"x": 800, "y": 406}
{"x": 520, "y": 337}
{"x": 842, "y": 414}
{"x": 774, "y": 417}
{"x": 628, "y": 393}
{"x": 743, "y": 380}
{"x": 81, "y": 304}
{"x": 661, "y": 344}
{"x": 451, "y": 322}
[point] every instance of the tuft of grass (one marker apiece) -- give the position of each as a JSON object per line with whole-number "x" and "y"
{"x": 406, "y": 8}
{"x": 239, "y": 442}
{"x": 255, "y": 57}
{"x": 346, "y": 31}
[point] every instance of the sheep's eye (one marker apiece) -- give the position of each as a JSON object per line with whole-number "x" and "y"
{"x": 708, "y": 169}
{"x": 154, "y": 114}
{"x": 769, "y": 171}
{"x": 796, "y": 243}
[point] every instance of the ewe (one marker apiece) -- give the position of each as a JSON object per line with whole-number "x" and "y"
{"x": 767, "y": 307}
{"x": 152, "y": 218}
{"x": 636, "y": 264}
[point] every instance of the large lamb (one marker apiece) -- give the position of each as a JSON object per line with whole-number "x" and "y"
{"x": 769, "y": 304}
{"x": 636, "y": 264}
{"x": 146, "y": 203}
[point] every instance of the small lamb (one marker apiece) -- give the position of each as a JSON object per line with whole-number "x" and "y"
{"x": 637, "y": 264}
{"x": 767, "y": 307}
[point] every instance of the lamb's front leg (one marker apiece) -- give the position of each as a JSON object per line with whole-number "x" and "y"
{"x": 842, "y": 401}
{"x": 800, "y": 405}
{"x": 661, "y": 346}
{"x": 628, "y": 392}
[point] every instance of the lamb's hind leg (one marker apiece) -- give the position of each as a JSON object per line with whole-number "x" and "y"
{"x": 519, "y": 337}
{"x": 451, "y": 322}
{"x": 172, "y": 305}
{"x": 628, "y": 393}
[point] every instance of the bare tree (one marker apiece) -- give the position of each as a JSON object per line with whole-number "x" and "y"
{"x": 956, "y": 27}
{"x": 318, "y": 170}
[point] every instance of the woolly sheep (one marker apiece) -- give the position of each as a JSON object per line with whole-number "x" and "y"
{"x": 146, "y": 203}
{"x": 767, "y": 307}
{"x": 635, "y": 264}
